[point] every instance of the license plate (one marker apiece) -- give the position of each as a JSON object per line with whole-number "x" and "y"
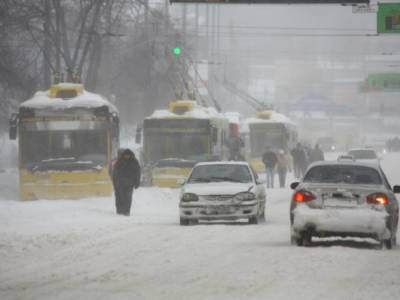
{"x": 343, "y": 202}
{"x": 221, "y": 210}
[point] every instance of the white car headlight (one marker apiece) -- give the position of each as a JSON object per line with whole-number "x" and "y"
{"x": 189, "y": 197}
{"x": 245, "y": 196}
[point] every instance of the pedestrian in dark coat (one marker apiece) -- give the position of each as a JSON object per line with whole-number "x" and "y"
{"x": 126, "y": 177}
{"x": 112, "y": 162}
{"x": 317, "y": 154}
{"x": 270, "y": 160}
{"x": 299, "y": 160}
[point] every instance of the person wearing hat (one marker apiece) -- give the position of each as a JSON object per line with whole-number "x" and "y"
{"x": 282, "y": 167}
{"x": 126, "y": 178}
{"x": 269, "y": 159}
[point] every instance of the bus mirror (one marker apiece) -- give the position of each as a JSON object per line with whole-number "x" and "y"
{"x": 214, "y": 135}
{"x": 13, "y": 130}
{"x": 138, "y": 137}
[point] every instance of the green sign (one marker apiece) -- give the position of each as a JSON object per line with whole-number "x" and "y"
{"x": 389, "y": 18}
{"x": 177, "y": 51}
{"x": 381, "y": 82}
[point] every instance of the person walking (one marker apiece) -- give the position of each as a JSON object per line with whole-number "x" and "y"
{"x": 270, "y": 159}
{"x": 112, "y": 163}
{"x": 317, "y": 154}
{"x": 282, "y": 167}
{"x": 235, "y": 144}
{"x": 299, "y": 160}
{"x": 126, "y": 178}
{"x": 296, "y": 168}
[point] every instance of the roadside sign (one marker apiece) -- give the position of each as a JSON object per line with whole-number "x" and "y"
{"x": 364, "y": 9}
{"x": 389, "y": 18}
{"x": 381, "y": 82}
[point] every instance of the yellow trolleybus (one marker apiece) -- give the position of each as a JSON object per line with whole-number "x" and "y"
{"x": 267, "y": 129}
{"x": 175, "y": 139}
{"x": 67, "y": 137}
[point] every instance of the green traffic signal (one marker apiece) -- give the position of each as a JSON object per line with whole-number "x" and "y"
{"x": 177, "y": 51}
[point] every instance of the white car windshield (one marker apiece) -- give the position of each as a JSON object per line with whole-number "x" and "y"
{"x": 220, "y": 172}
{"x": 343, "y": 174}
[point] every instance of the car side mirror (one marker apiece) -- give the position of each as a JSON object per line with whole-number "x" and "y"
{"x": 294, "y": 185}
{"x": 396, "y": 189}
{"x": 13, "y": 127}
{"x": 214, "y": 135}
{"x": 181, "y": 181}
{"x": 260, "y": 181}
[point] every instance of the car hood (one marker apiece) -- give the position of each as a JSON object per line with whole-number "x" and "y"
{"x": 218, "y": 188}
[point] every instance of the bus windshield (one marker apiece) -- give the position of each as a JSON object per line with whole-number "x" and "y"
{"x": 177, "y": 145}
{"x": 265, "y": 135}
{"x": 48, "y": 150}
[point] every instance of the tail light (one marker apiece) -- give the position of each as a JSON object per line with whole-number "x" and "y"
{"x": 303, "y": 196}
{"x": 378, "y": 199}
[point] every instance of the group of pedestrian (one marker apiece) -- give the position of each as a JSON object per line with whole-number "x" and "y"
{"x": 276, "y": 162}
{"x": 281, "y": 162}
{"x": 393, "y": 145}
{"x": 303, "y": 156}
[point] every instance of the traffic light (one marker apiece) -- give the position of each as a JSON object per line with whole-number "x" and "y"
{"x": 177, "y": 51}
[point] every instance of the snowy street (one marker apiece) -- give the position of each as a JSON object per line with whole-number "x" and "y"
{"x": 82, "y": 250}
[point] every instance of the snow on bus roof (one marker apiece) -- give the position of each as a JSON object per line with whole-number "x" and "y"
{"x": 198, "y": 112}
{"x": 233, "y": 117}
{"x": 274, "y": 117}
{"x": 42, "y": 100}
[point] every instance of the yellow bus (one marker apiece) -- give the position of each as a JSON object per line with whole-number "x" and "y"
{"x": 175, "y": 139}
{"x": 267, "y": 129}
{"x": 67, "y": 138}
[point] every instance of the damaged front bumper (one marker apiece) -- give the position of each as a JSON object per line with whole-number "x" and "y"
{"x": 201, "y": 211}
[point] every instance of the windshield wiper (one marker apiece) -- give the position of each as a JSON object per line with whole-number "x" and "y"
{"x": 229, "y": 179}
{"x": 199, "y": 180}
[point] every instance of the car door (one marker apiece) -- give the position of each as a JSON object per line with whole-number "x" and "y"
{"x": 394, "y": 205}
{"x": 259, "y": 191}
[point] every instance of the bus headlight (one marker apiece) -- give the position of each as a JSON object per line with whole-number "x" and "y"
{"x": 245, "y": 196}
{"x": 189, "y": 197}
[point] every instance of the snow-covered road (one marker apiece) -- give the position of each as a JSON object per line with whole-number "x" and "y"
{"x": 82, "y": 250}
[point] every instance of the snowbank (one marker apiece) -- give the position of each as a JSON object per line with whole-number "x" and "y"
{"x": 82, "y": 250}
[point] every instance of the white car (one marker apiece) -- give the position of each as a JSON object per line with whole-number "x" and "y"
{"x": 222, "y": 191}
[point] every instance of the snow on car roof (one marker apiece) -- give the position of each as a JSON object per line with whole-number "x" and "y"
{"x": 362, "y": 149}
{"x": 346, "y": 163}
{"x": 211, "y": 163}
{"x": 42, "y": 100}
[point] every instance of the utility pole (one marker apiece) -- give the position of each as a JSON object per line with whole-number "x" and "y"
{"x": 47, "y": 45}
{"x": 183, "y": 65}
{"x": 166, "y": 12}
{"x": 211, "y": 65}
{"x": 196, "y": 44}
{"x": 58, "y": 37}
